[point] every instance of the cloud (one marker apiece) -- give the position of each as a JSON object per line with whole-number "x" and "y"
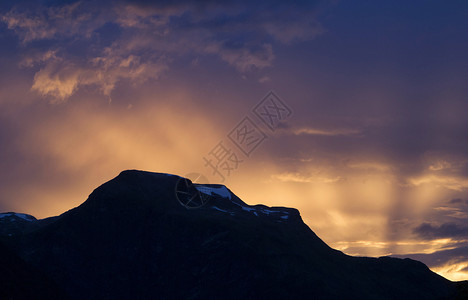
{"x": 449, "y": 182}
{"x": 325, "y": 132}
{"x": 450, "y": 263}
{"x": 243, "y": 58}
{"x": 297, "y": 177}
{"x": 390, "y": 247}
{"x": 45, "y": 23}
{"x": 440, "y": 165}
{"x": 452, "y": 212}
{"x": 449, "y": 230}
{"x": 369, "y": 166}
{"x": 296, "y": 30}
{"x": 100, "y": 44}
{"x": 264, "y": 79}
{"x": 459, "y": 201}
{"x": 59, "y": 84}
{"x": 38, "y": 58}
{"x": 445, "y": 163}
{"x": 61, "y": 78}
{"x": 446, "y": 230}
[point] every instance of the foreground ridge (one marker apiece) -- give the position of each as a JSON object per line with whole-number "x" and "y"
{"x": 146, "y": 235}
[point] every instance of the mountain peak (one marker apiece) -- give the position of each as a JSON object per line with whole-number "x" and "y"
{"x": 12, "y": 223}
{"x": 146, "y": 235}
{"x": 134, "y": 189}
{"x": 13, "y": 216}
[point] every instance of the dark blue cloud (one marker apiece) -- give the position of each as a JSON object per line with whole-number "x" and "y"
{"x": 446, "y": 230}
{"x": 443, "y": 257}
{"x": 99, "y": 44}
{"x": 459, "y": 201}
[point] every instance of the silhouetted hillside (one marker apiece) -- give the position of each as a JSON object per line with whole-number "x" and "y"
{"x": 133, "y": 239}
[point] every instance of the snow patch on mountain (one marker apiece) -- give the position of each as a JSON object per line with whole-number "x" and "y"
{"x": 217, "y": 208}
{"x": 22, "y": 216}
{"x": 221, "y": 191}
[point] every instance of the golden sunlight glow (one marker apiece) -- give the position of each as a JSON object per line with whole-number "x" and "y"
{"x": 453, "y": 271}
{"x": 148, "y": 138}
{"x": 88, "y": 91}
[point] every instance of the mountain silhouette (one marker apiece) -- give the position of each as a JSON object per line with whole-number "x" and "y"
{"x": 149, "y": 235}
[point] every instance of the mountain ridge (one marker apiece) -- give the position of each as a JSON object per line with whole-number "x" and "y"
{"x": 135, "y": 236}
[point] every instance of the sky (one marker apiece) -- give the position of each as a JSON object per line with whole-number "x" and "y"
{"x": 354, "y": 112}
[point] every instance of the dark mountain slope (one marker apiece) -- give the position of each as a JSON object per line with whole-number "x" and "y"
{"x": 133, "y": 239}
{"x": 20, "y": 280}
